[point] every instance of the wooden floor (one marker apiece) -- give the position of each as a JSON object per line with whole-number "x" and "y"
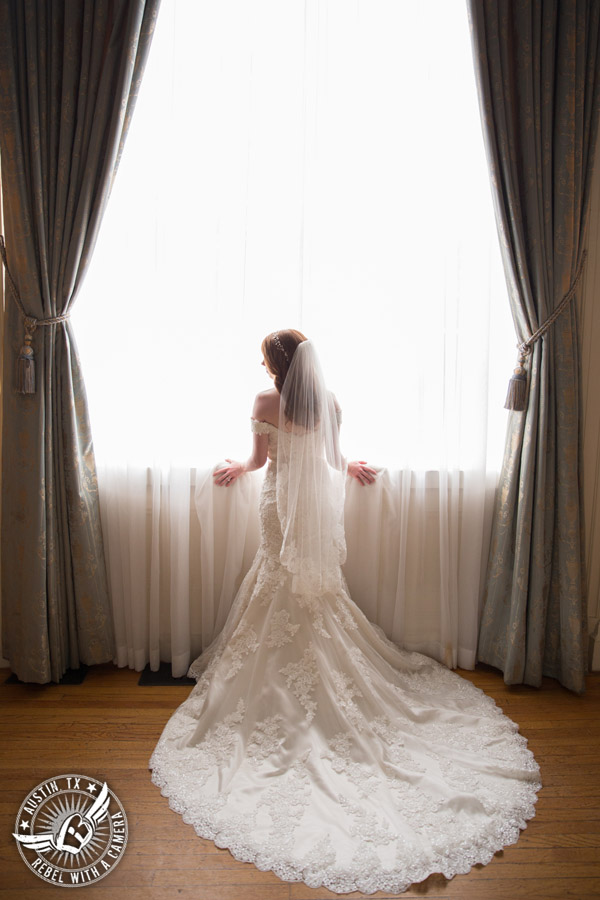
{"x": 107, "y": 728}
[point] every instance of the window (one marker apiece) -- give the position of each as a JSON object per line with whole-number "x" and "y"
{"x": 307, "y": 164}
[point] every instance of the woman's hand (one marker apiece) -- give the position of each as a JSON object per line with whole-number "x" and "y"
{"x": 226, "y": 476}
{"x": 362, "y": 472}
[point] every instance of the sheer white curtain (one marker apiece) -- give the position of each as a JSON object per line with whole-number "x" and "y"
{"x": 315, "y": 164}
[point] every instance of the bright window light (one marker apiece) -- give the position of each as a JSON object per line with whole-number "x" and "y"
{"x": 316, "y": 165}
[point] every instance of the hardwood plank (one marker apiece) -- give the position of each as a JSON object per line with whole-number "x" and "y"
{"x": 105, "y": 891}
{"x": 460, "y": 888}
{"x": 559, "y": 840}
{"x": 109, "y": 725}
{"x": 250, "y": 875}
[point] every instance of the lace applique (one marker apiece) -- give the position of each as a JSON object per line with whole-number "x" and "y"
{"x": 343, "y": 616}
{"x": 218, "y": 745}
{"x": 310, "y": 577}
{"x": 285, "y": 801}
{"x": 339, "y": 756}
{"x": 282, "y": 631}
{"x": 230, "y": 828}
{"x": 261, "y": 427}
{"x": 265, "y": 740}
{"x": 346, "y": 690}
{"x": 290, "y": 558}
{"x": 339, "y": 540}
{"x": 191, "y": 801}
{"x": 367, "y": 826}
{"x": 244, "y": 642}
{"x": 396, "y": 748}
{"x": 428, "y": 677}
{"x": 314, "y": 602}
{"x": 270, "y": 528}
{"x": 301, "y": 678}
{"x": 272, "y": 577}
{"x": 368, "y": 863}
{"x": 456, "y": 735}
{"x": 198, "y": 761}
{"x": 461, "y": 778}
{"x": 361, "y": 664}
{"x": 315, "y": 543}
{"x": 420, "y": 809}
{"x": 339, "y": 747}
{"x": 319, "y": 626}
{"x": 318, "y": 861}
{"x": 488, "y": 740}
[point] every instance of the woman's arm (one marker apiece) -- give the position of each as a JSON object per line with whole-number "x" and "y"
{"x": 359, "y": 468}
{"x": 227, "y": 475}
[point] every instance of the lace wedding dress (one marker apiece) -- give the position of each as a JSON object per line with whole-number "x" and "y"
{"x": 314, "y": 747}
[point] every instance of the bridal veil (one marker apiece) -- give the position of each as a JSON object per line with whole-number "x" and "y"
{"x": 311, "y": 476}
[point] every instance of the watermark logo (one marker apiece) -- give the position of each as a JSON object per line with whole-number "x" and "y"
{"x": 71, "y": 830}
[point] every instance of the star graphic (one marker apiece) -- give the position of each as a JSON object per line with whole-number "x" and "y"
{"x": 92, "y": 787}
{"x": 24, "y": 825}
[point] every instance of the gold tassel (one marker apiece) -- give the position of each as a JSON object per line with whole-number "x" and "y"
{"x": 26, "y": 361}
{"x": 516, "y": 397}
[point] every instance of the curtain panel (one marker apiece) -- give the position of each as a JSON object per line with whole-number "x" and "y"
{"x": 69, "y": 76}
{"x": 178, "y": 547}
{"x": 538, "y": 74}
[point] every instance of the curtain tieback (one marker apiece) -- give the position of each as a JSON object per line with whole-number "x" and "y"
{"x": 26, "y": 359}
{"x": 516, "y": 397}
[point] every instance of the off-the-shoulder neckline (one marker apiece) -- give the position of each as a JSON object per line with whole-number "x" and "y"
{"x": 261, "y": 422}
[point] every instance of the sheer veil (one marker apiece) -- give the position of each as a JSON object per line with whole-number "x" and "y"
{"x": 311, "y": 474}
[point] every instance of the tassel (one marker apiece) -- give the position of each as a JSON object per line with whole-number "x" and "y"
{"x": 26, "y": 367}
{"x": 516, "y": 397}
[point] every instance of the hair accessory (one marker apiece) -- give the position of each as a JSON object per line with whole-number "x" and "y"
{"x": 278, "y": 343}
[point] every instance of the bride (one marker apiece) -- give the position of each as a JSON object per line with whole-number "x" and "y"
{"x": 312, "y": 745}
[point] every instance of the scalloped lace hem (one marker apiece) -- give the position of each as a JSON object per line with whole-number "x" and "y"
{"x": 498, "y": 835}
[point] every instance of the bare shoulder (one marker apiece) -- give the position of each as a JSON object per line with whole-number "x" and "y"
{"x": 266, "y": 407}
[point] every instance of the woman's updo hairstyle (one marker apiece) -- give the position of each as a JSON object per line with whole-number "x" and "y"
{"x": 278, "y": 349}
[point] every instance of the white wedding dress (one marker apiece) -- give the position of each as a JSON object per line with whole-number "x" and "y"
{"x": 314, "y": 747}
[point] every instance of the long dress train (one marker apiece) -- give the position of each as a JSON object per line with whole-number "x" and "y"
{"x": 314, "y": 747}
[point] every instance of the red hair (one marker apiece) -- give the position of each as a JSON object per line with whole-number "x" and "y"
{"x": 278, "y": 353}
{"x": 278, "y": 349}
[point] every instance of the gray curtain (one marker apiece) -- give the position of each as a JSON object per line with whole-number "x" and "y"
{"x": 537, "y": 65}
{"x": 69, "y": 76}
